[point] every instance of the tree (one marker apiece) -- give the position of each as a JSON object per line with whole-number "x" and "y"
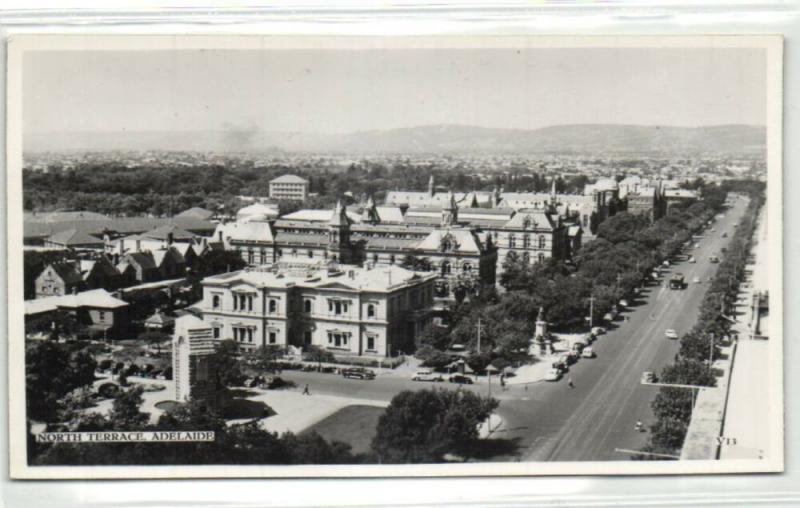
{"x": 265, "y": 357}
{"x": 125, "y": 414}
{"x": 432, "y": 357}
{"x": 229, "y": 365}
{"x": 423, "y": 426}
{"x": 52, "y": 371}
{"x": 318, "y": 354}
{"x": 437, "y": 337}
{"x": 154, "y": 338}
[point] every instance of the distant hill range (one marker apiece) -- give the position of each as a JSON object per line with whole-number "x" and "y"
{"x": 566, "y": 139}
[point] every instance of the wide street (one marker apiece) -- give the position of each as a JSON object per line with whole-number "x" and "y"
{"x": 553, "y": 422}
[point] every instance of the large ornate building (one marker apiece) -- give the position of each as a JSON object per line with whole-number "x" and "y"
{"x": 349, "y": 310}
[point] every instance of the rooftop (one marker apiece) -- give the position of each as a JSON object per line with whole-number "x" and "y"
{"x": 289, "y": 179}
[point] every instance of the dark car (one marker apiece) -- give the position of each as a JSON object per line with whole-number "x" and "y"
{"x": 358, "y": 373}
{"x": 460, "y": 379}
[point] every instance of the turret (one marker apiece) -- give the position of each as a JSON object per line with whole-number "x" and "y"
{"x": 339, "y": 234}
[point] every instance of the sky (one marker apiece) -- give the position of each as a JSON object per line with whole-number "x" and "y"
{"x": 340, "y": 91}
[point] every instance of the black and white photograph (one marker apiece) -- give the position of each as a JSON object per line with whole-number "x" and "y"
{"x": 252, "y": 256}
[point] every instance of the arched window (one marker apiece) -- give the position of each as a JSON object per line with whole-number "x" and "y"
{"x": 375, "y": 258}
{"x": 370, "y": 310}
{"x": 526, "y": 257}
{"x": 392, "y": 259}
{"x": 541, "y": 257}
{"x": 526, "y": 241}
{"x": 541, "y": 241}
{"x": 215, "y": 302}
{"x": 263, "y": 256}
{"x": 512, "y": 241}
{"x": 310, "y": 254}
{"x": 446, "y": 267}
{"x": 466, "y": 267}
{"x": 526, "y": 223}
{"x": 273, "y": 305}
{"x": 307, "y": 305}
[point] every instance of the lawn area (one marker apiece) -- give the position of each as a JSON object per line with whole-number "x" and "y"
{"x": 354, "y": 425}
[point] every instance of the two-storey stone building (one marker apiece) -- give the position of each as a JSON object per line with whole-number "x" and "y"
{"x": 349, "y": 310}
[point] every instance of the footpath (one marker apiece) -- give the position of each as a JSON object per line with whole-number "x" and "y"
{"x": 728, "y": 421}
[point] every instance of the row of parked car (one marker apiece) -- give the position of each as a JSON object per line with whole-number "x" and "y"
{"x": 580, "y": 349}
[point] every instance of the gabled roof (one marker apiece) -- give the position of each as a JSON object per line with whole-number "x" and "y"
{"x": 195, "y": 213}
{"x": 143, "y": 259}
{"x": 288, "y": 179}
{"x": 536, "y": 220}
{"x": 100, "y": 265}
{"x": 68, "y": 272}
{"x": 460, "y": 240}
{"x": 248, "y": 231}
{"x": 160, "y": 254}
{"x": 162, "y": 233}
{"x": 73, "y": 237}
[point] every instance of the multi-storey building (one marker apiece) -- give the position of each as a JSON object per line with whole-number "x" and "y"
{"x": 290, "y": 187}
{"x": 194, "y": 365}
{"x": 346, "y": 309}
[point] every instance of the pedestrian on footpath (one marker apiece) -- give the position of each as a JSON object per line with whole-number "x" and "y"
{"x": 569, "y": 382}
{"x": 305, "y": 390}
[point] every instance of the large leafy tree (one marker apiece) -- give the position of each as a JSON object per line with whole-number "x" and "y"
{"x": 424, "y": 426}
{"x": 51, "y": 371}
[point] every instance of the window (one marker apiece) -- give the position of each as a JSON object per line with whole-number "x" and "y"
{"x": 310, "y": 254}
{"x": 273, "y": 337}
{"x": 585, "y": 220}
{"x": 526, "y": 257}
{"x": 371, "y": 310}
{"x": 375, "y": 258}
{"x": 235, "y": 302}
{"x": 216, "y": 332}
{"x": 307, "y": 336}
{"x": 370, "y": 342}
{"x": 250, "y": 335}
{"x": 512, "y": 241}
{"x": 306, "y": 305}
{"x": 541, "y": 241}
{"x": 526, "y": 241}
{"x": 338, "y": 339}
{"x": 541, "y": 257}
{"x": 392, "y": 259}
{"x": 101, "y": 315}
{"x": 445, "y": 267}
{"x": 273, "y": 305}
{"x": 263, "y": 256}
{"x": 526, "y": 223}
{"x": 250, "y": 256}
{"x": 467, "y": 268}
{"x": 216, "y": 301}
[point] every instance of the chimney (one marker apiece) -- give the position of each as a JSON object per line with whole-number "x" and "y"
{"x": 170, "y": 238}
{"x": 138, "y": 245}
{"x": 122, "y": 246}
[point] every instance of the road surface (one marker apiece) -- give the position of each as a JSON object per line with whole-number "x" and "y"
{"x": 553, "y": 422}
{"x": 588, "y": 422}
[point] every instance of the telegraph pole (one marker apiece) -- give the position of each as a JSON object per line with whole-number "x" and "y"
{"x": 591, "y": 311}
{"x": 479, "y": 335}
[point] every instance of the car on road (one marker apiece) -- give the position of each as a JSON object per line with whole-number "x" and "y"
{"x": 724, "y": 235}
{"x": 572, "y": 357}
{"x": 692, "y": 260}
{"x": 552, "y": 375}
{"x": 671, "y": 334}
{"x": 648, "y": 377}
{"x": 696, "y": 280}
{"x": 427, "y": 375}
{"x": 358, "y": 373}
{"x": 697, "y": 246}
{"x": 561, "y": 363}
{"x": 624, "y": 303}
{"x": 713, "y": 259}
{"x": 588, "y": 353}
{"x": 598, "y": 330}
{"x": 460, "y": 379}
{"x": 578, "y": 346}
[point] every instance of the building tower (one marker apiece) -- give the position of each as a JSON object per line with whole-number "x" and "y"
{"x": 431, "y": 190}
{"x": 339, "y": 235}
{"x": 450, "y": 211}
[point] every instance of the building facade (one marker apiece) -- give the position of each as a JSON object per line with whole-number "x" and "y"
{"x": 194, "y": 365}
{"x": 290, "y": 187}
{"x": 346, "y": 309}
